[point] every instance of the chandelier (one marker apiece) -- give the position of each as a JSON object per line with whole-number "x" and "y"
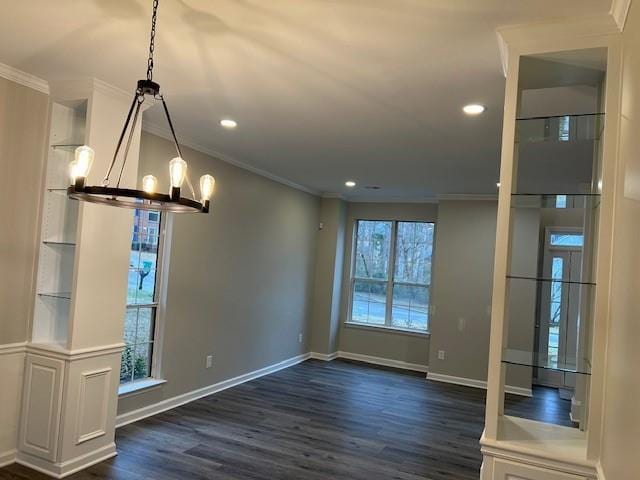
{"x": 147, "y": 198}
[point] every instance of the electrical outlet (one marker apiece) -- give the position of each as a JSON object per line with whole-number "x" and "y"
{"x": 300, "y": 338}
{"x": 461, "y": 324}
{"x": 440, "y": 354}
{"x": 209, "y": 361}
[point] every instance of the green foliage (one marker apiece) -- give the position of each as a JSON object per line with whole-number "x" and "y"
{"x": 132, "y": 364}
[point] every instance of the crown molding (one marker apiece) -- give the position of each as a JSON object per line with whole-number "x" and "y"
{"x": 433, "y": 200}
{"x": 620, "y": 11}
{"x": 470, "y": 197}
{"x": 24, "y": 78}
{"x": 561, "y": 28}
{"x": 163, "y": 132}
{"x": 111, "y": 91}
{"x": 338, "y": 196}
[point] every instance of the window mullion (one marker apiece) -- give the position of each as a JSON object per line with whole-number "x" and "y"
{"x": 391, "y": 273}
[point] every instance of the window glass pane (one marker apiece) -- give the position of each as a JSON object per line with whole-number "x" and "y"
{"x": 561, "y": 201}
{"x": 142, "y": 277}
{"x": 373, "y": 244}
{"x": 126, "y": 364}
{"x": 414, "y": 246}
{"x": 567, "y": 240}
{"x": 130, "y": 326}
{"x": 142, "y": 361}
{"x": 410, "y": 307}
{"x": 142, "y": 285}
{"x": 369, "y": 302}
{"x": 144, "y": 332}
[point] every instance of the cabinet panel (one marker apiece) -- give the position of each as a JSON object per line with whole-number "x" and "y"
{"x": 41, "y": 406}
{"x": 505, "y": 470}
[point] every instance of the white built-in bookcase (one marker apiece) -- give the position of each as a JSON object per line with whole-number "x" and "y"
{"x": 59, "y": 227}
{"x": 558, "y": 163}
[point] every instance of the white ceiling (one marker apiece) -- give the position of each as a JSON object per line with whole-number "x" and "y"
{"x": 323, "y": 90}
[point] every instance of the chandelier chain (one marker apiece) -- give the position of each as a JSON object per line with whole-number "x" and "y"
{"x": 152, "y": 40}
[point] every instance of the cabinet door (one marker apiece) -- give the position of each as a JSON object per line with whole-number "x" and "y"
{"x": 41, "y": 400}
{"x": 505, "y": 470}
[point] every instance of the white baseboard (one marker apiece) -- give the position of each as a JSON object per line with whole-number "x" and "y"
{"x": 173, "y": 402}
{"x": 7, "y": 458}
{"x": 69, "y": 467}
{"x": 327, "y": 357}
{"x": 387, "y": 362}
{"x": 472, "y": 382}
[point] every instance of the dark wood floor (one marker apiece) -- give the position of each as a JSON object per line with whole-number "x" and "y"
{"x": 317, "y": 421}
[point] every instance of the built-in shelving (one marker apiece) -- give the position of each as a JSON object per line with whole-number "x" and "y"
{"x": 59, "y": 243}
{"x": 544, "y": 279}
{"x": 560, "y": 129}
{"x": 60, "y": 295}
{"x": 56, "y": 260}
{"x": 66, "y": 146}
{"x": 542, "y": 360}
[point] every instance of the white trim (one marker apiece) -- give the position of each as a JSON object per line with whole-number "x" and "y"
{"x": 60, "y": 353}
{"x": 619, "y": 11}
{"x": 387, "y": 329}
{"x": 8, "y": 457}
{"x": 164, "y": 132}
{"x": 69, "y": 467}
{"x": 472, "y": 382}
{"x": 387, "y": 362}
{"x": 23, "y": 78}
{"x": 134, "y": 388}
{"x": 327, "y": 357}
{"x": 600, "y": 470}
{"x": 11, "y": 348}
{"x": 365, "y": 199}
{"x": 173, "y": 402}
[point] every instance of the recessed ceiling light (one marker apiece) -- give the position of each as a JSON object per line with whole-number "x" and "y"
{"x": 473, "y": 109}
{"x": 228, "y": 123}
{"x": 350, "y": 183}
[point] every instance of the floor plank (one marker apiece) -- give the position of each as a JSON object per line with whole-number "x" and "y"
{"x": 316, "y": 421}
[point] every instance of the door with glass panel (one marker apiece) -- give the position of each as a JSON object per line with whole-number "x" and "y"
{"x": 560, "y": 306}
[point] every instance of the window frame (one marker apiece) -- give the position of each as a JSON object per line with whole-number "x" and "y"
{"x": 390, "y": 281}
{"x": 157, "y": 307}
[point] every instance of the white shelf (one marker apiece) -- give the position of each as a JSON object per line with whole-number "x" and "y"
{"x": 520, "y": 436}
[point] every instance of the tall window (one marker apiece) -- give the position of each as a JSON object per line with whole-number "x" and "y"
{"x": 142, "y": 293}
{"x": 391, "y": 275}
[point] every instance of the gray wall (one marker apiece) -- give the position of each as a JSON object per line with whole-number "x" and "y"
{"x": 463, "y": 269}
{"x": 406, "y": 347}
{"x": 240, "y": 279}
{"x": 23, "y": 121}
{"x": 328, "y": 276}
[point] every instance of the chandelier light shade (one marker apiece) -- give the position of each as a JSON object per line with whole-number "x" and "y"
{"x": 148, "y": 198}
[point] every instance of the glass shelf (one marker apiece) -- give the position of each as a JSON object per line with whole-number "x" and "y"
{"x": 61, "y": 295}
{"x": 555, "y": 200}
{"x": 59, "y": 242}
{"x": 542, "y": 279}
{"x": 542, "y": 360}
{"x": 66, "y": 146}
{"x": 560, "y": 129}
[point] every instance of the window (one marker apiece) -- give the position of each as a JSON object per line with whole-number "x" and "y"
{"x": 142, "y": 297}
{"x": 391, "y": 275}
{"x": 567, "y": 239}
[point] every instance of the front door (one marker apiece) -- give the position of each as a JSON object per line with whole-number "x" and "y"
{"x": 559, "y": 306}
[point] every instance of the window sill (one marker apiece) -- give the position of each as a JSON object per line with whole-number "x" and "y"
{"x": 386, "y": 329}
{"x": 139, "y": 386}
